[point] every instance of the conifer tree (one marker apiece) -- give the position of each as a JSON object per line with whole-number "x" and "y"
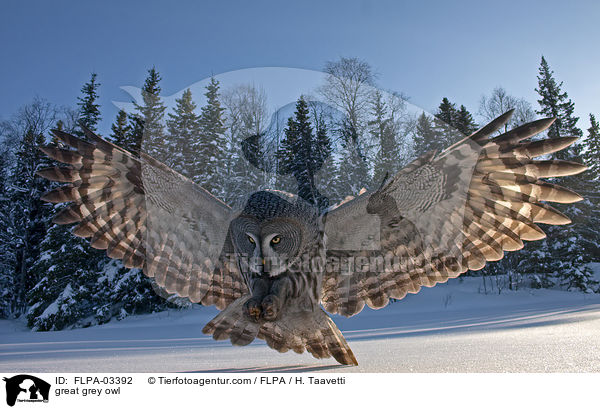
{"x": 66, "y": 271}
{"x": 447, "y": 112}
{"x": 592, "y": 153}
{"x": 23, "y": 217}
{"x": 68, "y": 268}
{"x": 457, "y": 119}
{"x": 448, "y": 125}
{"x": 302, "y": 153}
{"x": 322, "y": 145}
{"x": 211, "y": 166}
{"x": 79, "y": 285}
{"x": 6, "y": 266}
{"x": 565, "y": 252}
{"x": 464, "y": 122}
{"x": 325, "y": 167}
{"x": 151, "y": 114}
{"x": 353, "y": 170}
{"x": 29, "y": 216}
{"x": 587, "y": 213}
{"x": 427, "y": 138}
{"x": 89, "y": 109}
{"x": 322, "y": 161}
{"x": 296, "y": 149}
{"x": 382, "y": 130}
{"x": 135, "y": 136}
{"x": 327, "y": 182}
{"x": 184, "y": 135}
{"x": 577, "y": 244}
{"x": 447, "y": 122}
{"x": 121, "y": 130}
{"x": 555, "y": 103}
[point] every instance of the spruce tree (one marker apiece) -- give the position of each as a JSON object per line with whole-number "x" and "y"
{"x": 184, "y": 135}
{"x": 321, "y": 161}
{"x": 447, "y": 122}
{"x": 288, "y": 148}
{"x": 211, "y": 164}
{"x": 565, "y": 252}
{"x": 23, "y": 217}
{"x": 66, "y": 272}
{"x": 353, "y": 170}
{"x": 28, "y": 218}
{"x": 296, "y": 149}
{"x": 447, "y": 126}
{"x": 302, "y": 153}
{"x": 89, "y": 109}
{"x": 68, "y": 269}
{"x": 78, "y": 285}
{"x": 135, "y": 136}
{"x": 151, "y": 114}
{"x": 587, "y": 214}
{"x": 577, "y": 244}
{"x": 382, "y": 130}
{"x": 121, "y": 130}
{"x": 447, "y": 112}
{"x": 324, "y": 162}
{"x": 6, "y": 271}
{"x": 459, "y": 119}
{"x": 323, "y": 146}
{"x": 464, "y": 122}
{"x": 555, "y": 103}
{"x": 592, "y": 153}
{"x": 427, "y": 138}
{"x": 326, "y": 178}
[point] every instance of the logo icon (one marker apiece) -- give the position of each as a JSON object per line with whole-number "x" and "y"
{"x": 26, "y": 388}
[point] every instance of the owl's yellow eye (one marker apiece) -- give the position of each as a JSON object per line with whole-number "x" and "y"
{"x": 251, "y": 240}
{"x": 275, "y": 239}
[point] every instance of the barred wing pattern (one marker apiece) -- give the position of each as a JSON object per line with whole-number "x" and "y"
{"x": 445, "y": 214}
{"x": 147, "y": 215}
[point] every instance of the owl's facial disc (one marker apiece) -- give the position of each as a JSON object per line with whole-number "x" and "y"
{"x": 265, "y": 259}
{"x": 268, "y": 247}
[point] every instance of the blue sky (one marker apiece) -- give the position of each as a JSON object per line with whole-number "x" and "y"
{"x": 427, "y": 50}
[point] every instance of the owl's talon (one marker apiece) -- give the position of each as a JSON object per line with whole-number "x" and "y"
{"x": 252, "y": 308}
{"x": 270, "y": 308}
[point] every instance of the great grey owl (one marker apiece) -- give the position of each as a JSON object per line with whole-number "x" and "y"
{"x": 276, "y": 265}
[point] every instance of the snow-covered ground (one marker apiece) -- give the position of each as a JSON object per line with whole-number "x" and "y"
{"x": 449, "y": 328}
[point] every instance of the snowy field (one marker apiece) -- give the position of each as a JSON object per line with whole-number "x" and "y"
{"x": 449, "y": 328}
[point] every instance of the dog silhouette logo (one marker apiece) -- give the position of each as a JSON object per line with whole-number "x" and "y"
{"x": 26, "y": 388}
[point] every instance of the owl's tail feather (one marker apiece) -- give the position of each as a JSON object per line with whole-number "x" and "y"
{"x": 294, "y": 330}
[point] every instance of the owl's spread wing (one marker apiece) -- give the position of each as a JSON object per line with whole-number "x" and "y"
{"x": 443, "y": 215}
{"x": 147, "y": 215}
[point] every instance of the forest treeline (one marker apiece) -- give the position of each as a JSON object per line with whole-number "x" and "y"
{"x": 351, "y": 136}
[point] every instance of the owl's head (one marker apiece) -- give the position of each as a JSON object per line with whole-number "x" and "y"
{"x": 273, "y": 231}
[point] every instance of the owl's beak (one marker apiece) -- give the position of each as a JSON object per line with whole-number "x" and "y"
{"x": 263, "y": 261}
